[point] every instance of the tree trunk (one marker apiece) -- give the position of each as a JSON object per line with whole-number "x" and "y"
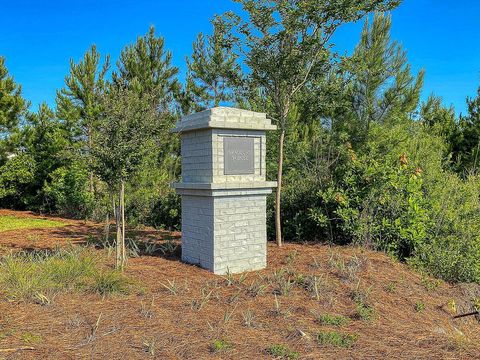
{"x": 118, "y": 257}
{"x": 107, "y": 227}
{"x": 278, "y": 218}
{"x": 122, "y": 201}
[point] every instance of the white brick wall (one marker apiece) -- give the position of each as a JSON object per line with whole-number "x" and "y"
{"x": 224, "y": 233}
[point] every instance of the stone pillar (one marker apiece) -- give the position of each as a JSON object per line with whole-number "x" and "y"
{"x": 224, "y": 189}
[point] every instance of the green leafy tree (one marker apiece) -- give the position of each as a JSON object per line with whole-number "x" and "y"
{"x": 12, "y": 104}
{"x": 284, "y": 44}
{"x": 120, "y": 139}
{"x": 213, "y": 70}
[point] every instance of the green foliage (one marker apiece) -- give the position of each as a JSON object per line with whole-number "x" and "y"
{"x": 12, "y": 104}
{"x": 15, "y": 176}
{"x": 212, "y": 69}
{"x": 65, "y": 191}
{"x": 220, "y": 345}
{"x": 121, "y": 134}
{"x": 336, "y": 339}
{"x": 282, "y": 352}
{"x": 332, "y": 320}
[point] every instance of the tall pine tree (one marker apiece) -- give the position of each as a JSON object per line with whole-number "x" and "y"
{"x": 12, "y": 104}
{"x": 213, "y": 70}
{"x": 78, "y": 104}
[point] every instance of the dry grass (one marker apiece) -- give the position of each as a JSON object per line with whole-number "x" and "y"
{"x": 304, "y": 305}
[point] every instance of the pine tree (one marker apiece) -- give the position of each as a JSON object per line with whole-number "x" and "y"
{"x": 78, "y": 104}
{"x": 467, "y": 152}
{"x": 12, "y": 105}
{"x": 383, "y": 87}
{"x": 213, "y": 70}
{"x": 146, "y": 67}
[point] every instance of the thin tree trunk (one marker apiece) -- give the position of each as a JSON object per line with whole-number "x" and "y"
{"x": 122, "y": 200}
{"x": 278, "y": 218}
{"x": 118, "y": 258}
{"x": 107, "y": 227}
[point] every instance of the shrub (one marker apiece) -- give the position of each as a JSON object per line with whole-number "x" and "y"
{"x": 219, "y": 345}
{"x": 333, "y": 320}
{"x": 282, "y": 352}
{"x": 66, "y": 192}
{"x": 336, "y": 339}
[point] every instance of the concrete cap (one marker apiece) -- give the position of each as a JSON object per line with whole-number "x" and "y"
{"x": 224, "y": 118}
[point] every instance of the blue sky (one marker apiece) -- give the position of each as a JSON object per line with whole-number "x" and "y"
{"x": 38, "y": 38}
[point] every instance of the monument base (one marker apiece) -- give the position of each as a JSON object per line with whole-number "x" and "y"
{"x": 224, "y": 227}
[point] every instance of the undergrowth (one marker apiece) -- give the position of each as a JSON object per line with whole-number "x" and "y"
{"x": 39, "y": 275}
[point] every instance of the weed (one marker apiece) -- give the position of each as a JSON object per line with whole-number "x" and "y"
{"x": 430, "y": 284}
{"x": 198, "y": 304}
{"x": 249, "y": 318}
{"x": 364, "y": 312}
{"x": 391, "y": 287}
{"x": 168, "y": 248}
{"x": 313, "y": 284}
{"x": 419, "y": 306}
{"x": 332, "y": 320}
{"x": 220, "y": 345}
{"x": 361, "y": 298}
{"x": 74, "y": 322}
{"x": 171, "y": 287}
{"x": 316, "y": 263}
{"x": 110, "y": 282}
{"x": 283, "y": 283}
{"x": 30, "y": 338}
{"x": 282, "y": 352}
{"x": 147, "y": 311}
{"x": 277, "y": 310}
{"x": 257, "y": 288}
{"x": 336, "y": 262}
{"x": 228, "y": 315}
{"x": 291, "y": 257}
{"x": 149, "y": 346}
{"x": 336, "y": 339}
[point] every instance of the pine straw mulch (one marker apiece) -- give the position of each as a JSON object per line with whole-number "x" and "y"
{"x": 182, "y": 323}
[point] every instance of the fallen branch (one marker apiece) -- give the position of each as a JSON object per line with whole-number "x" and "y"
{"x": 468, "y": 314}
{"x": 17, "y": 349}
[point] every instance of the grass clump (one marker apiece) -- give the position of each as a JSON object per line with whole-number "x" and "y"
{"x": 336, "y": 339}
{"x": 419, "y": 306}
{"x": 9, "y": 222}
{"x": 332, "y": 320}
{"x": 220, "y": 345}
{"x": 282, "y": 352}
{"x": 37, "y": 276}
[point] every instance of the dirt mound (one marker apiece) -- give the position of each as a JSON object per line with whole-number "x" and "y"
{"x": 312, "y": 302}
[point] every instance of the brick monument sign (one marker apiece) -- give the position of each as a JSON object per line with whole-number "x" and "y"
{"x": 224, "y": 189}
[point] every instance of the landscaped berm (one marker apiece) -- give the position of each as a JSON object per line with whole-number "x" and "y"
{"x": 61, "y": 298}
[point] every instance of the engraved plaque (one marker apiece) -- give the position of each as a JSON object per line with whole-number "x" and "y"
{"x": 238, "y": 155}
